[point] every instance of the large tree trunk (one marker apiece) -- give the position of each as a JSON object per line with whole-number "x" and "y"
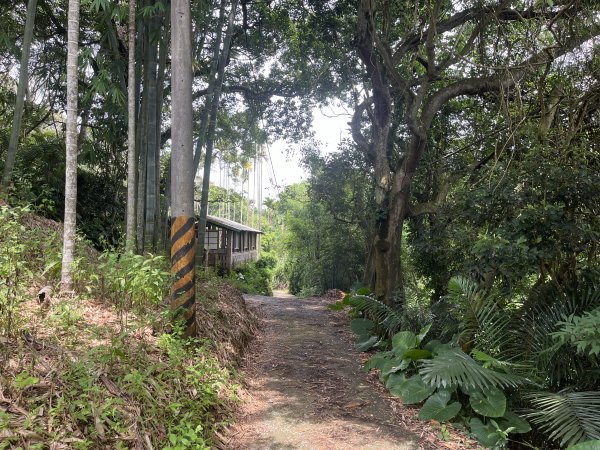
{"x": 141, "y": 176}
{"x": 393, "y": 203}
{"x": 183, "y": 244}
{"x": 21, "y": 88}
{"x": 131, "y": 159}
{"x": 71, "y": 149}
{"x": 389, "y": 281}
{"x": 139, "y": 45}
{"x": 419, "y": 96}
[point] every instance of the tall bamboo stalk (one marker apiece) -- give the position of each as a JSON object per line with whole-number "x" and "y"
{"x": 21, "y": 88}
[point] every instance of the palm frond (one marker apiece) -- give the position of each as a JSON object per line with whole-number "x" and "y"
{"x": 484, "y": 323}
{"x": 387, "y": 317}
{"x": 461, "y": 289}
{"x": 488, "y": 327}
{"x": 568, "y": 418}
{"x": 455, "y": 368}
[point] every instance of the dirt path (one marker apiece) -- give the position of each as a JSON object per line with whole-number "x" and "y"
{"x": 306, "y": 388}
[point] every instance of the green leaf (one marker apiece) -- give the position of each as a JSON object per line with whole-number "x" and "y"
{"x": 489, "y": 362}
{"x": 389, "y": 319}
{"x": 436, "y": 347}
{"x": 382, "y": 343}
{"x": 395, "y": 380}
{"x": 456, "y": 368}
{"x": 416, "y": 354}
{"x": 23, "y": 380}
{"x": 468, "y": 389}
{"x": 486, "y": 434}
{"x": 377, "y": 361}
{"x": 491, "y": 403}
{"x": 512, "y": 420}
{"x": 404, "y": 340}
{"x": 483, "y": 358}
{"x": 366, "y": 343}
{"x": 568, "y": 418}
{"x": 423, "y": 333}
{"x": 415, "y": 390}
{"x": 587, "y": 445}
{"x": 362, "y": 327}
{"x": 436, "y": 407}
{"x": 337, "y": 306}
{"x": 393, "y": 365}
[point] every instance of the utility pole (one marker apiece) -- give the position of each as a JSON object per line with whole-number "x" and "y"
{"x": 183, "y": 234}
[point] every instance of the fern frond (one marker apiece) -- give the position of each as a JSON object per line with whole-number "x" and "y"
{"x": 455, "y": 368}
{"x": 533, "y": 342}
{"x": 581, "y": 332}
{"x": 569, "y": 418}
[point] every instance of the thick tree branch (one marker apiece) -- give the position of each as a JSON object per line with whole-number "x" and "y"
{"x": 508, "y": 78}
{"x": 365, "y": 42}
{"x": 501, "y": 12}
{"x": 355, "y": 125}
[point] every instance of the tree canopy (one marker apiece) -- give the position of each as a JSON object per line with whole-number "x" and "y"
{"x": 464, "y": 198}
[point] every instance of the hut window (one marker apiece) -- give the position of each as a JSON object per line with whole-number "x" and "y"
{"x": 211, "y": 240}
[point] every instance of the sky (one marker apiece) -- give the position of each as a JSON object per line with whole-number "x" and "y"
{"x": 330, "y": 125}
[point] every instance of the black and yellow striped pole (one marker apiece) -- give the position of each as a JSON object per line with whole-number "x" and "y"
{"x": 183, "y": 239}
{"x": 183, "y": 255}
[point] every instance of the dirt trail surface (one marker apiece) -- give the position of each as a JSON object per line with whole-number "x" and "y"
{"x": 306, "y": 388}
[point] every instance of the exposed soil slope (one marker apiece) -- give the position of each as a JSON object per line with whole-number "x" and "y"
{"x": 306, "y": 388}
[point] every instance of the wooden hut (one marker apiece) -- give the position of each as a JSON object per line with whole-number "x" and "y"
{"x": 230, "y": 244}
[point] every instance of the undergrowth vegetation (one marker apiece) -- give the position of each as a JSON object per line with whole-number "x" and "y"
{"x": 108, "y": 367}
{"x": 255, "y": 277}
{"x": 526, "y": 377}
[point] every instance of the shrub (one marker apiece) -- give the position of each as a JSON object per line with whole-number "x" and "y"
{"x": 266, "y": 262}
{"x": 582, "y": 332}
{"x": 13, "y": 271}
{"x": 251, "y": 278}
{"x": 131, "y": 282}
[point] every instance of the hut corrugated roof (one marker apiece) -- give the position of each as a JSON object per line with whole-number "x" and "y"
{"x": 230, "y": 224}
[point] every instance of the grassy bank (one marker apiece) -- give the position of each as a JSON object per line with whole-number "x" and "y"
{"x": 99, "y": 369}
